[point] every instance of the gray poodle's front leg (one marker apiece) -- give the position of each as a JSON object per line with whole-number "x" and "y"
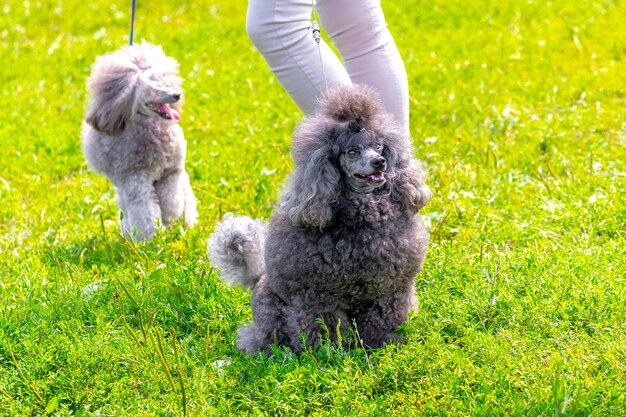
{"x": 269, "y": 325}
{"x": 140, "y": 208}
{"x": 377, "y": 324}
{"x": 316, "y": 327}
{"x": 176, "y": 198}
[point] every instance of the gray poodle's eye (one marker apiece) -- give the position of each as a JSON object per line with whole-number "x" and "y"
{"x": 352, "y": 152}
{"x": 378, "y": 147}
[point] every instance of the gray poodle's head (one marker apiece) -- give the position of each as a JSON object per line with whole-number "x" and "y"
{"x": 361, "y": 159}
{"x": 134, "y": 81}
{"x": 350, "y": 145}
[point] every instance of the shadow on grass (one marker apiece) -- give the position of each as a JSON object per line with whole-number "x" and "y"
{"x": 85, "y": 253}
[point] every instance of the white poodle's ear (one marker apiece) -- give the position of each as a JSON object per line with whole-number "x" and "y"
{"x": 113, "y": 84}
{"x": 112, "y": 108}
{"x": 311, "y": 189}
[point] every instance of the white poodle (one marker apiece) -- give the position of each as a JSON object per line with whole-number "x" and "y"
{"x": 131, "y": 135}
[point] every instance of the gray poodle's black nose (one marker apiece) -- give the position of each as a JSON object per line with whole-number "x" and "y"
{"x": 379, "y": 163}
{"x": 176, "y": 96}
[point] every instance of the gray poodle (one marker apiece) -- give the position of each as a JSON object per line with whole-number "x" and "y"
{"x": 131, "y": 135}
{"x": 345, "y": 242}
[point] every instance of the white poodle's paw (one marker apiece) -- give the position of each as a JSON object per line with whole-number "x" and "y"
{"x": 139, "y": 234}
{"x": 139, "y": 228}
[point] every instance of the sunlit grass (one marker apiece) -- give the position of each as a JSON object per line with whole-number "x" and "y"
{"x": 518, "y": 109}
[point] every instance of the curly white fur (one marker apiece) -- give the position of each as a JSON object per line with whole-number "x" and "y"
{"x": 131, "y": 136}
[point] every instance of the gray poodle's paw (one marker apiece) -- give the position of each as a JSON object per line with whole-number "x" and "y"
{"x": 395, "y": 339}
{"x": 246, "y": 339}
{"x": 378, "y": 342}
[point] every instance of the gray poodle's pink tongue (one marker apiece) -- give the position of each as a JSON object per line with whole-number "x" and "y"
{"x": 378, "y": 176}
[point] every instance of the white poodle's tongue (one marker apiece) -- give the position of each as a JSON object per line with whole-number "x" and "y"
{"x": 173, "y": 114}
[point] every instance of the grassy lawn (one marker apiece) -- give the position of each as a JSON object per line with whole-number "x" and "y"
{"x": 518, "y": 109}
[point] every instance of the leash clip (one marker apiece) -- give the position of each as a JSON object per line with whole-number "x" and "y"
{"x": 315, "y": 27}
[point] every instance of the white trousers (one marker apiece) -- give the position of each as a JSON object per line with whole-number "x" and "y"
{"x": 281, "y": 30}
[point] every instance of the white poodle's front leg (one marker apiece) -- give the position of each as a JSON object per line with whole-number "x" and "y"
{"x": 191, "y": 206}
{"x": 140, "y": 208}
{"x": 176, "y": 198}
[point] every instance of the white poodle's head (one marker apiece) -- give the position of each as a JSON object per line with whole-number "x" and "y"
{"x": 135, "y": 81}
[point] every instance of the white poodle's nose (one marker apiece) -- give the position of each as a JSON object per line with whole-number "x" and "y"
{"x": 168, "y": 96}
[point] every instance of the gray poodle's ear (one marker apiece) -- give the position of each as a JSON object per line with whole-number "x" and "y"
{"x": 408, "y": 186}
{"x": 311, "y": 189}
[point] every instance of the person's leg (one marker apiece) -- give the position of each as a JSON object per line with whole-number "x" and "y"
{"x": 281, "y": 30}
{"x": 359, "y": 31}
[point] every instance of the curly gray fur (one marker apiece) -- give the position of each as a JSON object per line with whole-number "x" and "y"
{"x": 332, "y": 254}
{"x": 130, "y": 135}
{"x": 236, "y": 247}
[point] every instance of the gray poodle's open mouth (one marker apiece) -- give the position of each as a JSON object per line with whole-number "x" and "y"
{"x": 165, "y": 111}
{"x": 376, "y": 177}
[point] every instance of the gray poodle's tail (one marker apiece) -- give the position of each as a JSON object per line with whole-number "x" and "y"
{"x": 236, "y": 247}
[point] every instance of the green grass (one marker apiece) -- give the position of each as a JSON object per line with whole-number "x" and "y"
{"x": 517, "y": 109}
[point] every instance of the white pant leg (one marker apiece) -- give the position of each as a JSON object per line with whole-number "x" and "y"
{"x": 280, "y": 29}
{"x": 359, "y": 31}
